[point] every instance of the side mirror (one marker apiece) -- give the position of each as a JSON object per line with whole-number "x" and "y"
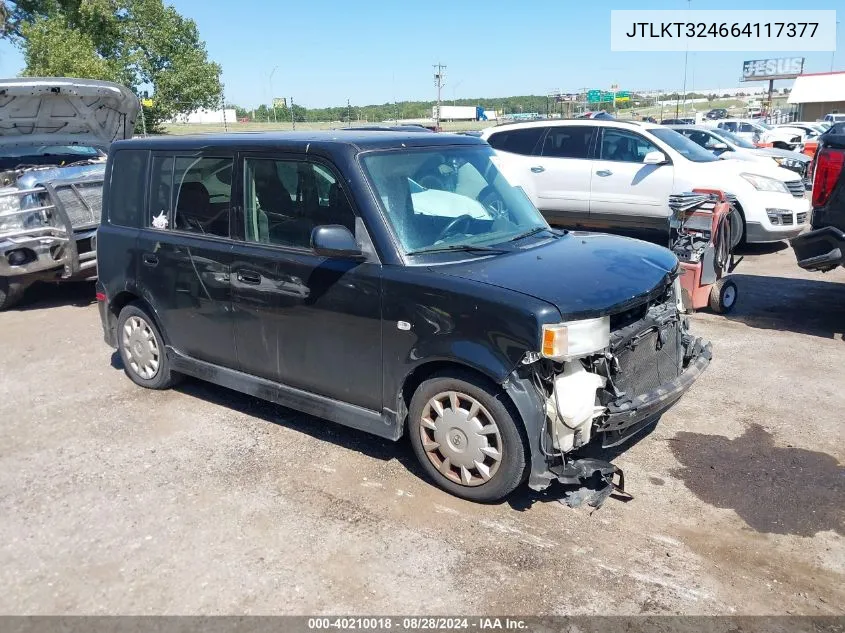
{"x": 333, "y": 240}
{"x": 719, "y": 147}
{"x": 655, "y": 158}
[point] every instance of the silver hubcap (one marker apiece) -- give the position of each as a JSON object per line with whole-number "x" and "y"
{"x": 729, "y": 296}
{"x": 140, "y": 347}
{"x": 461, "y": 438}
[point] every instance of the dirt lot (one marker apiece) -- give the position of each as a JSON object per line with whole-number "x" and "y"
{"x": 200, "y": 500}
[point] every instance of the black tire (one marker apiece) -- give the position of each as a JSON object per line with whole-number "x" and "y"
{"x": 511, "y": 469}
{"x": 10, "y": 292}
{"x": 163, "y": 376}
{"x": 723, "y": 296}
{"x": 743, "y": 237}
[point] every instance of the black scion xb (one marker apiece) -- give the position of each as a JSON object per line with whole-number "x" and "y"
{"x": 389, "y": 281}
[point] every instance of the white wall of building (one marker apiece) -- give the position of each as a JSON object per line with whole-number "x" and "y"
{"x": 208, "y": 116}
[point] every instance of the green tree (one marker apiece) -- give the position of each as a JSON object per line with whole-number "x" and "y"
{"x": 142, "y": 44}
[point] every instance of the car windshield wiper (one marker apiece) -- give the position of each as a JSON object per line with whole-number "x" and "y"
{"x": 534, "y": 231}
{"x": 459, "y": 247}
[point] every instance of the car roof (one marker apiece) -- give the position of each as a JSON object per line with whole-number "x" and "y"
{"x": 699, "y": 128}
{"x": 355, "y": 139}
{"x": 567, "y": 122}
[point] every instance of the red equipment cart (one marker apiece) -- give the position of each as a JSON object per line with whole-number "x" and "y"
{"x": 706, "y": 229}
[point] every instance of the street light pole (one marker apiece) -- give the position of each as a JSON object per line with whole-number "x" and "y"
{"x": 272, "y": 98}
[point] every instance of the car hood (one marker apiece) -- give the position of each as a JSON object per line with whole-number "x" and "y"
{"x": 583, "y": 274}
{"x": 781, "y": 153}
{"x": 36, "y": 111}
{"x": 712, "y": 172}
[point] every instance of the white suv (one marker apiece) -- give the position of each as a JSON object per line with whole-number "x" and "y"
{"x": 619, "y": 175}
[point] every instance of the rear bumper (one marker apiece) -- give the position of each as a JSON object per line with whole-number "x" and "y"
{"x": 622, "y": 422}
{"x": 820, "y": 250}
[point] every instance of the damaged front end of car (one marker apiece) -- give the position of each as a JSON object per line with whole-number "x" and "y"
{"x": 48, "y": 229}
{"x": 604, "y": 380}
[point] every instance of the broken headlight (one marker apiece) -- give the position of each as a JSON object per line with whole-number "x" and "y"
{"x": 21, "y": 221}
{"x": 575, "y": 339}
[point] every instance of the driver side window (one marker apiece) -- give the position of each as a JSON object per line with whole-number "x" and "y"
{"x": 284, "y": 200}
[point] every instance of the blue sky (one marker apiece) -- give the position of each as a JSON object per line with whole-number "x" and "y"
{"x": 328, "y": 51}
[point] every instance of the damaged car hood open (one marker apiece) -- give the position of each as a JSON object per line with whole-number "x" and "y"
{"x": 583, "y": 274}
{"x": 35, "y": 111}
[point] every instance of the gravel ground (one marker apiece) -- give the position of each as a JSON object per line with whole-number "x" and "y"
{"x": 114, "y": 499}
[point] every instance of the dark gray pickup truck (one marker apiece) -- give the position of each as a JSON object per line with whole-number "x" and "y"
{"x": 823, "y": 248}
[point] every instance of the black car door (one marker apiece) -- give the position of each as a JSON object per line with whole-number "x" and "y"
{"x": 306, "y": 321}
{"x": 186, "y": 254}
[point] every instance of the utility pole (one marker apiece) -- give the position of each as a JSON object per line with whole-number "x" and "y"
{"x": 686, "y": 58}
{"x": 272, "y": 97}
{"x": 348, "y": 113}
{"x": 439, "y": 77}
{"x": 292, "y": 117}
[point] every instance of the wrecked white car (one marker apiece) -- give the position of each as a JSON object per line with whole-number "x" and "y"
{"x": 54, "y": 137}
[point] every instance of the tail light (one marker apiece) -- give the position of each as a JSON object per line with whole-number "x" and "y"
{"x": 829, "y": 164}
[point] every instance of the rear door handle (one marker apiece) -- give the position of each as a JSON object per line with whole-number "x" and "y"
{"x": 249, "y": 277}
{"x": 604, "y": 172}
{"x": 150, "y": 259}
{"x": 538, "y": 169}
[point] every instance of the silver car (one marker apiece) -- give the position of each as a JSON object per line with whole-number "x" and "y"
{"x": 725, "y": 144}
{"x": 54, "y": 136}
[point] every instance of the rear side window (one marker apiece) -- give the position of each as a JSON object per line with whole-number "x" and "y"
{"x": 517, "y": 141}
{"x": 570, "y": 141}
{"x": 625, "y": 146}
{"x": 202, "y": 190}
{"x": 126, "y": 198}
{"x": 190, "y": 193}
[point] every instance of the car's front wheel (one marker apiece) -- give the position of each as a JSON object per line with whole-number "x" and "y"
{"x": 141, "y": 348}
{"x": 10, "y": 292}
{"x": 466, "y": 438}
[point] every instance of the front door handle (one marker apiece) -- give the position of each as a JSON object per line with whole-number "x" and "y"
{"x": 150, "y": 259}
{"x": 604, "y": 172}
{"x": 538, "y": 169}
{"x": 249, "y": 277}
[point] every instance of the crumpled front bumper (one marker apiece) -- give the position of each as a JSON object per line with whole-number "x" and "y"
{"x": 622, "y": 422}
{"x": 617, "y": 425}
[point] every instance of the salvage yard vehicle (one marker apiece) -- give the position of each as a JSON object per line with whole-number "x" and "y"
{"x": 54, "y": 135}
{"x": 728, "y": 145}
{"x": 391, "y": 282}
{"x": 760, "y": 133}
{"x": 618, "y": 176}
{"x": 823, "y": 248}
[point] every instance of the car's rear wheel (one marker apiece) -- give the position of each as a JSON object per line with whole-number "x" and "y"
{"x": 141, "y": 348}
{"x": 466, "y": 438}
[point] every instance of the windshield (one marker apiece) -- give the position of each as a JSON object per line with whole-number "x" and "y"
{"x": 765, "y": 126}
{"x": 12, "y": 157}
{"x": 685, "y": 147}
{"x": 435, "y": 198}
{"x": 734, "y": 139}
